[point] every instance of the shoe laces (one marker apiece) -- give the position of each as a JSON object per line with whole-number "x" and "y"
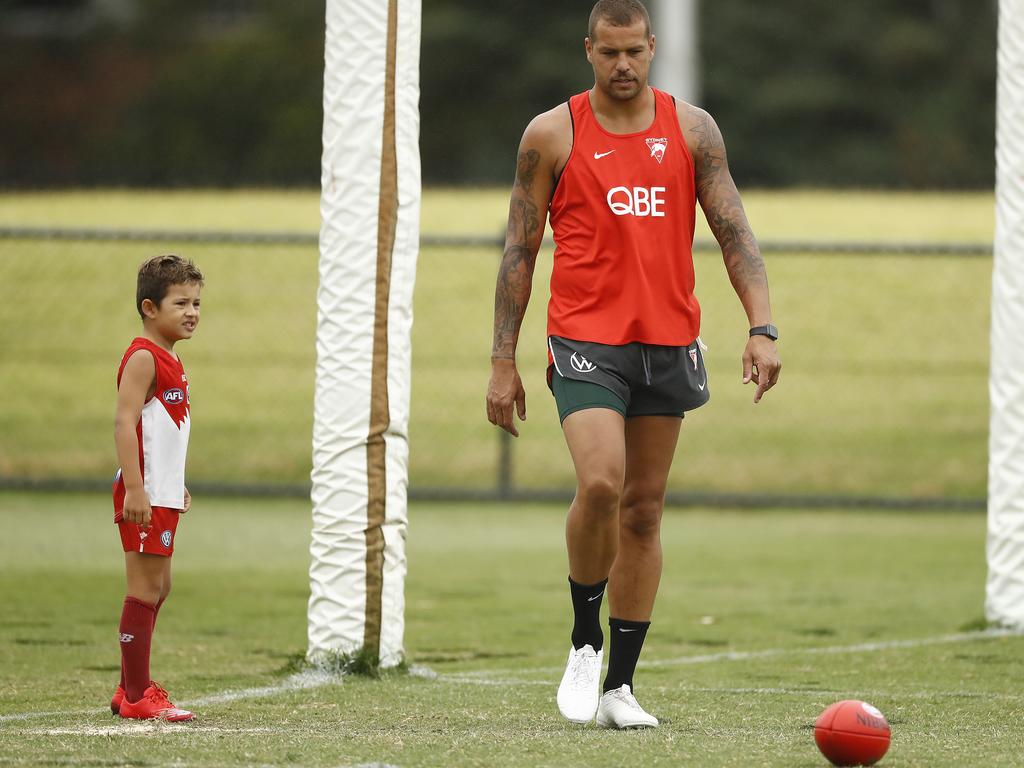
{"x": 159, "y": 695}
{"x": 582, "y": 673}
{"x": 627, "y": 698}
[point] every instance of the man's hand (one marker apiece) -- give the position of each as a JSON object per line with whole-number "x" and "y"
{"x": 504, "y": 391}
{"x": 188, "y": 502}
{"x": 761, "y": 364}
{"x": 137, "y": 508}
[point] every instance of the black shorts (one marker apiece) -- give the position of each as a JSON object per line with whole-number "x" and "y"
{"x": 643, "y": 379}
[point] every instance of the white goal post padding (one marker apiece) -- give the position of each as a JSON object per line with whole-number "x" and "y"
{"x": 369, "y": 240}
{"x": 1004, "y": 601}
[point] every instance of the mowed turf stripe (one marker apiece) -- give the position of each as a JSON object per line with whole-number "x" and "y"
{"x": 316, "y": 679}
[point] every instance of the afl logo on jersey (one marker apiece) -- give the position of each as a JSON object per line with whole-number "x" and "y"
{"x": 174, "y": 396}
{"x": 165, "y": 539}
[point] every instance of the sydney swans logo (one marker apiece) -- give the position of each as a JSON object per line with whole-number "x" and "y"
{"x": 657, "y": 147}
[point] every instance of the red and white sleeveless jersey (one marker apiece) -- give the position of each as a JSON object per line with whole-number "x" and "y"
{"x": 163, "y": 430}
{"x": 622, "y": 216}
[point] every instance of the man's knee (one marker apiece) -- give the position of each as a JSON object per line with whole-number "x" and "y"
{"x": 599, "y": 494}
{"x": 641, "y": 518}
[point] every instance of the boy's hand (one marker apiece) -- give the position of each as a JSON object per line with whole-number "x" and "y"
{"x": 188, "y": 502}
{"x": 137, "y": 508}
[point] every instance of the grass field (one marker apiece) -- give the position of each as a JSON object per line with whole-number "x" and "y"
{"x": 763, "y": 619}
{"x": 884, "y": 390}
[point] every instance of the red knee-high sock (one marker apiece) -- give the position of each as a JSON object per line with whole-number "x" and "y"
{"x": 156, "y": 612}
{"x": 136, "y": 631}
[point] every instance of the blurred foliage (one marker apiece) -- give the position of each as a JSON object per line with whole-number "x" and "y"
{"x": 864, "y": 93}
{"x": 184, "y": 93}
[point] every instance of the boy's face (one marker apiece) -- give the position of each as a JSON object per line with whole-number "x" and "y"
{"x": 178, "y": 314}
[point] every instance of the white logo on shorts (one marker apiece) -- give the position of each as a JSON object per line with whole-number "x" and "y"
{"x": 165, "y": 539}
{"x": 126, "y": 638}
{"x": 580, "y": 363}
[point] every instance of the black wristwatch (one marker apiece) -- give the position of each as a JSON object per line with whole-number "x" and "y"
{"x": 765, "y": 330}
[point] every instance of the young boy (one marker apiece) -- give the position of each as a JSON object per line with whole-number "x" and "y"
{"x": 151, "y": 434}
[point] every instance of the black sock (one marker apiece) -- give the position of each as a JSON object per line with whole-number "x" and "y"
{"x": 626, "y": 641}
{"x": 586, "y": 608}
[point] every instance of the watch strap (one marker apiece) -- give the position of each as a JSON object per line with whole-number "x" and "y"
{"x": 768, "y": 330}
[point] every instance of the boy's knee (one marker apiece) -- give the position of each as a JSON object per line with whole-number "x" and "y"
{"x": 150, "y": 596}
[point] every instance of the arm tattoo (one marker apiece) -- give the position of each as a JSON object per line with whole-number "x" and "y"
{"x": 722, "y": 205}
{"x": 709, "y": 158}
{"x": 515, "y": 275}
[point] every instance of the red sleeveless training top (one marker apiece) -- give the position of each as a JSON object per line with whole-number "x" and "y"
{"x": 163, "y": 430}
{"x": 622, "y": 216}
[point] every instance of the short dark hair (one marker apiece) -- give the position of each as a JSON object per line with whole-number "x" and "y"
{"x": 158, "y": 274}
{"x": 619, "y": 13}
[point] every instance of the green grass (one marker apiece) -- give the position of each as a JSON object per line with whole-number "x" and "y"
{"x": 776, "y": 214}
{"x": 488, "y": 614}
{"x": 884, "y": 389}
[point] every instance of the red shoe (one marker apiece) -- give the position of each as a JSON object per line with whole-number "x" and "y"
{"x": 115, "y": 703}
{"x": 154, "y": 705}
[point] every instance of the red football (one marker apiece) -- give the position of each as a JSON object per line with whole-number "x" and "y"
{"x": 852, "y": 733}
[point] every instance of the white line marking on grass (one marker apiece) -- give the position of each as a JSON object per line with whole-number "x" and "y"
{"x": 709, "y": 658}
{"x": 882, "y": 645}
{"x": 316, "y": 678}
{"x": 297, "y": 682}
{"x": 778, "y": 691}
{"x": 764, "y": 691}
{"x": 147, "y": 728}
{"x": 311, "y": 678}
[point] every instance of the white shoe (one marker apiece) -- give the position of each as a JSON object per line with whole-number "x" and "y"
{"x": 618, "y": 708}
{"x": 581, "y": 684}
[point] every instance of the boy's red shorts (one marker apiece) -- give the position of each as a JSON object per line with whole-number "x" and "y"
{"x": 158, "y": 539}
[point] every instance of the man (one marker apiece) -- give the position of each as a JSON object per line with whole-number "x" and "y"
{"x": 620, "y": 168}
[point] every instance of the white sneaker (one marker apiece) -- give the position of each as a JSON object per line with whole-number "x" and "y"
{"x": 618, "y": 708}
{"x": 581, "y": 684}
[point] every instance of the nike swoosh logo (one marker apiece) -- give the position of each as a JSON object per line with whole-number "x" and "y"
{"x": 599, "y": 155}
{"x": 595, "y": 597}
{"x": 628, "y": 630}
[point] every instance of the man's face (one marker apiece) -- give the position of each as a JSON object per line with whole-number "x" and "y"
{"x": 621, "y": 57}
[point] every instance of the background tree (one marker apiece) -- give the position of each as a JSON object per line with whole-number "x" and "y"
{"x": 193, "y": 92}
